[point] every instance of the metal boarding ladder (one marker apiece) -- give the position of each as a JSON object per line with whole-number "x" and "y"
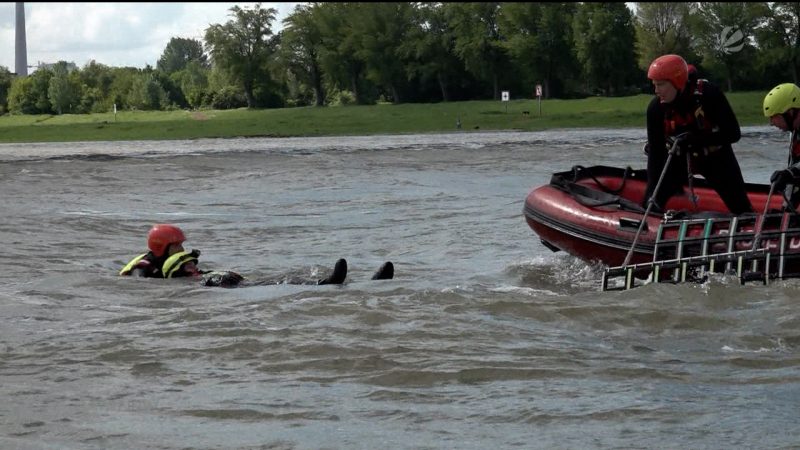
{"x": 681, "y": 268}
{"x": 687, "y": 250}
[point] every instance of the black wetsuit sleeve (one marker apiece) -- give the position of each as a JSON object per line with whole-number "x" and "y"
{"x": 721, "y": 116}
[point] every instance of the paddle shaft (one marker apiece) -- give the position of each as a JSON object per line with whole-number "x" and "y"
{"x": 651, "y": 200}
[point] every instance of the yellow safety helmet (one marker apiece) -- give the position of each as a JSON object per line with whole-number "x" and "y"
{"x": 781, "y": 98}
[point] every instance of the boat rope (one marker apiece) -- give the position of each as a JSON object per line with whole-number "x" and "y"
{"x": 625, "y": 174}
{"x": 593, "y": 198}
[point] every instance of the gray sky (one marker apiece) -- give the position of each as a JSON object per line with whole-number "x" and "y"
{"x": 114, "y": 34}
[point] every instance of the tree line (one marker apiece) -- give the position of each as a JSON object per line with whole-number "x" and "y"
{"x": 363, "y": 53}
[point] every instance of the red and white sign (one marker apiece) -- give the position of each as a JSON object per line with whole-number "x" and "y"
{"x": 538, "y": 90}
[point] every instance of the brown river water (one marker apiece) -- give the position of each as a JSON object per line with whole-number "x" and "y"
{"x": 484, "y": 338}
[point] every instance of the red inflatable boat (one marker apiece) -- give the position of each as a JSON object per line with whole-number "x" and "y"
{"x": 594, "y": 213}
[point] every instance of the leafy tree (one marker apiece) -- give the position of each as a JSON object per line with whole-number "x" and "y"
{"x": 97, "y": 75}
{"x": 146, "y": 93}
{"x": 229, "y": 97}
{"x": 64, "y": 94}
{"x": 662, "y": 29}
{"x": 347, "y": 52}
{"x": 220, "y": 78}
{"x": 779, "y": 42}
{"x": 21, "y": 99}
{"x": 193, "y": 83}
{"x": 92, "y": 101}
{"x": 41, "y": 84}
{"x": 380, "y": 29}
{"x": 726, "y": 31}
{"x": 174, "y": 94}
{"x": 124, "y": 79}
{"x": 338, "y": 53}
{"x": 243, "y": 46}
{"x": 223, "y": 92}
{"x": 477, "y": 39}
{"x": 428, "y": 49}
{"x": 28, "y": 95}
{"x": 301, "y": 39}
{"x": 604, "y": 37}
{"x": 95, "y": 80}
{"x": 539, "y": 40}
{"x": 180, "y": 52}
{"x": 5, "y": 86}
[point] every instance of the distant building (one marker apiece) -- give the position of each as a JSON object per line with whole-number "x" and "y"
{"x": 71, "y": 66}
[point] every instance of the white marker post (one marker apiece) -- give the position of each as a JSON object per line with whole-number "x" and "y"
{"x": 539, "y": 95}
{"x": 505, "y": 99}
{"x": 115, "y": 112}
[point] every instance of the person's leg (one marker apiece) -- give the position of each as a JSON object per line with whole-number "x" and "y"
{"x": 724, "y": 174}
{"x": 338, "y": 275}
{"x": 674, "y": 179}
{"x": 385, "y": 272}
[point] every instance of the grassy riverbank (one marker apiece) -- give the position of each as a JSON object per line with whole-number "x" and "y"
{"x": 521, "y": 115}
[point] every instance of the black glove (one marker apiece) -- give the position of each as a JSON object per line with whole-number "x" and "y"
{"x": 780, "y": 178}
{"x": 687, "y": 141}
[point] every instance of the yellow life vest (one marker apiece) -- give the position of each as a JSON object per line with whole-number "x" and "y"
{"x": 171, "y": 265}
{"x": 175, "y": 262}
{"x": 129, "y": 267}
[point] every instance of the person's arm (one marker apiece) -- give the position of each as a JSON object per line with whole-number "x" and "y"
{"x": 725, "y": 126}
{"x": 655, "y": 128}
{"x": 141, "y": 269}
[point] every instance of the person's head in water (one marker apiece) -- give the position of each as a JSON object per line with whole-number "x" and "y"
{"x": 669, "y": 74}
{"x": 782, "y": 106}
{"x": 165, "y": 240}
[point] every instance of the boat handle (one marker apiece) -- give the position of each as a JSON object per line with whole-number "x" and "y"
{"x": 625, "y": 223}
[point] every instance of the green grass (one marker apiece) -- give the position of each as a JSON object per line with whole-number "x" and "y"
{"x": 595, "y": 112}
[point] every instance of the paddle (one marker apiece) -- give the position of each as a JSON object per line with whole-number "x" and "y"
{"x": 652, "y": 199}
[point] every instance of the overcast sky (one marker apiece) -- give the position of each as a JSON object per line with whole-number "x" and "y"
{"x": 114, "y": 34}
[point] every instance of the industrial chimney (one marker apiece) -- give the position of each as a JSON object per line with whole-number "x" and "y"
{"x": 21, "y": 55}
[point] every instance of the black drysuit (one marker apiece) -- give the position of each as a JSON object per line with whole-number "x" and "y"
{"x": 708, "y": 143}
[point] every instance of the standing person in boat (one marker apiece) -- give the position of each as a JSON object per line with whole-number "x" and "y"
{"x": 167, "y": 258}
{"x": 782, "y": 107}
{"x": 698, "y": 114}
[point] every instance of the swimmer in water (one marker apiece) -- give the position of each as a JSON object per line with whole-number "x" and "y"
{"x": 167, "y": 258}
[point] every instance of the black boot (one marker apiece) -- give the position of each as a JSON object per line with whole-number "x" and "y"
{"x": 385, "y": 272}
{"x": 338, "y": 275}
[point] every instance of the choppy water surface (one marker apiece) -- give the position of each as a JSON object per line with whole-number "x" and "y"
{"x": 484, "y": 339}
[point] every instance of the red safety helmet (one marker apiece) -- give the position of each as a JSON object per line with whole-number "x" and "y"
{"x": 672, "y": 68}
{"x": 161, "y": 236}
